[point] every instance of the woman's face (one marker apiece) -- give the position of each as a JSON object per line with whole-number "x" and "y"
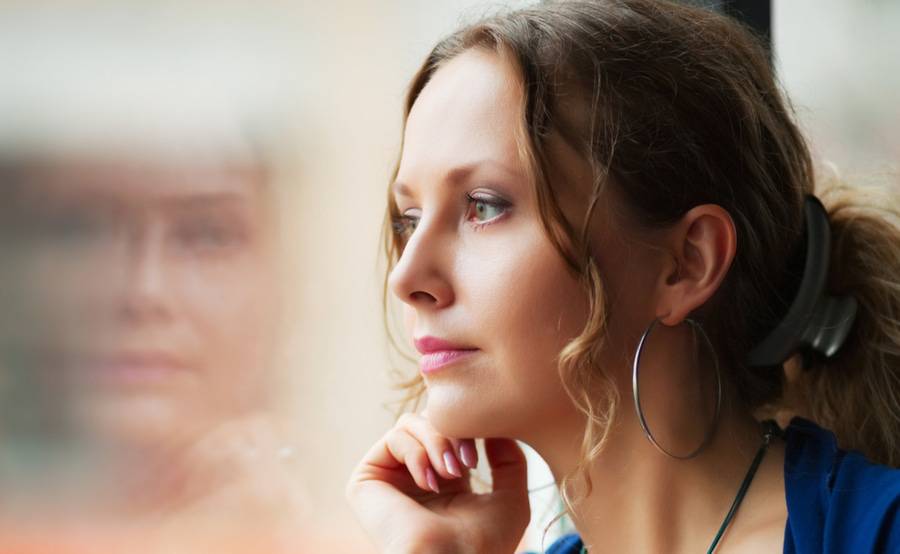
{"x": 488, "y": 298}
{"x": 149, "y": 294}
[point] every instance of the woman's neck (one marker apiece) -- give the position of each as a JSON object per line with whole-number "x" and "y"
{"x": 645, "y": 501}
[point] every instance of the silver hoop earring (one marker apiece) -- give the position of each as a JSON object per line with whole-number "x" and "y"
{"x": 635, "y": 387}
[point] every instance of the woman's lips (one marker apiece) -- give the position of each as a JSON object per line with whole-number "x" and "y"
{"x": 434, "y": 361}
{"x": 438, "y": 353}
{"x": 134, "y": 369}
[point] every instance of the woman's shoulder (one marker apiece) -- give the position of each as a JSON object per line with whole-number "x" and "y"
{"x": 837, "y": 500}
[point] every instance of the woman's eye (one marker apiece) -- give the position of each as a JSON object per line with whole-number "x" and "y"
{"x": 484, "y": 208}
{"x": 73, "y": 226}
{"x": 405, "y": 224}
{"x": 203, "y": 234}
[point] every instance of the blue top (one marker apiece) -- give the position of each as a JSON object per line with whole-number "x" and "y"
{"x": 837, "y": 501}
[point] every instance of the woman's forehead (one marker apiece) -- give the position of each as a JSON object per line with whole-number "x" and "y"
{"x": 470, "y": 110}
{"x": 126, "y": 188}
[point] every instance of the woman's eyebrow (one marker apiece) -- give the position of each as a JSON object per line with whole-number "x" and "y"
{"x": 195, "y": 200}
{"x": 458, "y": 175}
{"x": 401, "y": 189}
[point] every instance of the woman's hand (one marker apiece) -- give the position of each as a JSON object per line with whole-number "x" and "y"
{"x": 412, "y": 493}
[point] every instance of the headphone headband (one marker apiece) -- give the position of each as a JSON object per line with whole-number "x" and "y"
{"x": 816, "y": 323}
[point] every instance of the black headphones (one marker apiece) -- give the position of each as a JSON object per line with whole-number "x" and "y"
{"x": 816, "y": 324}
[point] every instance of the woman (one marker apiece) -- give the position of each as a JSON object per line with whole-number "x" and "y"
{"x": 605, "y": 232}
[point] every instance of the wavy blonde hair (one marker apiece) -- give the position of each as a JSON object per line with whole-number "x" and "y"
{"x": 676, "y": 106}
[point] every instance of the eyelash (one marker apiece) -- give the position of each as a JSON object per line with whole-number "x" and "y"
{"x": 492, "y": 201}
{"x": 404, "y": 225}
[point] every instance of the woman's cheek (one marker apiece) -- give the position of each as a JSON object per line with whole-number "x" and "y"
{"x": 539, "y": 307}
{"x": 409, "y": 320}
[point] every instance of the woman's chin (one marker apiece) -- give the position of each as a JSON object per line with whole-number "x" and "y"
{"x": 464, "y": 414}
{"x": 148, "y": 422}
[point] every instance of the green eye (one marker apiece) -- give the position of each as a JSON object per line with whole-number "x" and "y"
{"x": 483, "y": 209}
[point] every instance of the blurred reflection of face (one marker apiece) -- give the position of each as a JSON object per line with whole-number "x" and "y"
{"x": 151, "y": 292}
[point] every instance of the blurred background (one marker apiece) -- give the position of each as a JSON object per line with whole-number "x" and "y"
{"x": 191, "y": 331}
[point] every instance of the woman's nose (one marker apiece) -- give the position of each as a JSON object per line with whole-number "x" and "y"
{"x": 146, "y": 291}
{"x": 422, "y": 276}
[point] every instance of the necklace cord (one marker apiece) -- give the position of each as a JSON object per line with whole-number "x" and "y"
{"x": 770, "y": 429}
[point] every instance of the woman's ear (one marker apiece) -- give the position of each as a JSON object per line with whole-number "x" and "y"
{"x": 702, "y": 246}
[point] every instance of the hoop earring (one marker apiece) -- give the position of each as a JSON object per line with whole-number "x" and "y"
{"x": 636, "y": 390}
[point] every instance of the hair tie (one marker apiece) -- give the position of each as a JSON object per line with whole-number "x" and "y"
{"x": 817, "y": 323}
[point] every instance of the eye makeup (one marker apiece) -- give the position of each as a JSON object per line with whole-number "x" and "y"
{"x": 485, "y": 208}
{"x": 482, "y": 209}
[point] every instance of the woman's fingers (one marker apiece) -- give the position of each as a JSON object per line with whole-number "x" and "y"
{"x": 468, "y": 454}
{"x": 441, "y": 451}
{"x": 464, "y": 449}
{"x": 428, "y": 457}
{"x": 393, "y": 492}
{"x": 406, "y": 449}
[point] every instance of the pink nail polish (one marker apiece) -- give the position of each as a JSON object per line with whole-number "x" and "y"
{"x": 468, "y": 454}
{"x": 451, "y": 464}
{"x": 431, "y": 479}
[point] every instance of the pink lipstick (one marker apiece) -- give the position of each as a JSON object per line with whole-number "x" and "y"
{"x": 438, "y": 353}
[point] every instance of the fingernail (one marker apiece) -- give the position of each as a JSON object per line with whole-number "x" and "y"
{"x": 451, "y": 464}
{"x": 468, "y": 454}
{"x": 431, "y": 479}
